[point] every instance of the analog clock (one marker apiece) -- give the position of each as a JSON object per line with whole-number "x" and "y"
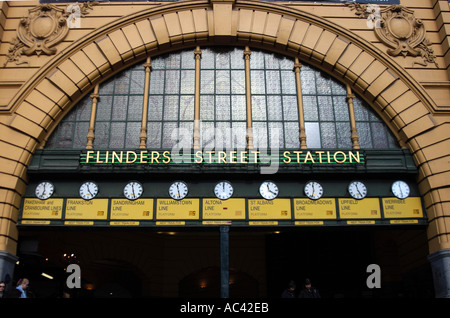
{"x": 400, "y": 189}
{"x": 268, "y": 190}
{"x": 223, "y": 190}
{"x": 313, "y": 190}
{"x": 357, "y": 189}
{"x": 44, "y": 190}
{"x": 88, "y": 190}
{"x": 133, "y": 190}
{"x": 178, "y": 190}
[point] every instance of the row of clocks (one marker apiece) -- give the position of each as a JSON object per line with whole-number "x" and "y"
{"x": 223, "y": 190}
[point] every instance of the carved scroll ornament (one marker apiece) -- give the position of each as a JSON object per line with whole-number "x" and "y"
{"x": 398, "y": 28}
{"x": 38, "y": 33}
{"x": 44, "y": 27}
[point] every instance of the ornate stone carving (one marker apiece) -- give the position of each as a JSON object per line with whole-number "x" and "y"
{"x": 44, "y": 27}
{"x": 398, "y": 28}
{"x": 38, "y": 33}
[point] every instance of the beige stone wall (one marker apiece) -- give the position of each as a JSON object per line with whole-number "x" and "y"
{"x": 413, "y": 99}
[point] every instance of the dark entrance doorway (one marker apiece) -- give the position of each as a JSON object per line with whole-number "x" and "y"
{"x": 186, "y": 262}
{"x": 336, "y": 261}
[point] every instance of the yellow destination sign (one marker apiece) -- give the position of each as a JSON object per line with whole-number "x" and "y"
{"x": 124, "y": 223}
{"x": 123, "y": 209}
{"x": 223, "y": 209}
{"x": 216, "y": 222}
{"x": 368, "y": 208}
{"x": 403, "y": 221}
{"x": 315, "y": 209}
{"x": 260, "y": 209}
{"x": 407, "y": 208}
{"x": 35, "y": 222}
{"x": 361, "y": 222}
{"x": 78, "y": 222}
{"x": 42, "y": 209}
{"x": 95, "y": 209}
{"x": 308, "y": 223}
{"x": 170, "y": 223}
{"x": 186, "y": 209}
{"x": 263, "y": 223}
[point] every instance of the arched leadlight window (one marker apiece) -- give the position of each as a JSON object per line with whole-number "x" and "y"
{"x": 245, "y": 99}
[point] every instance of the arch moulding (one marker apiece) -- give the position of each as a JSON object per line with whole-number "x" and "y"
{"x": 45, "y": 99}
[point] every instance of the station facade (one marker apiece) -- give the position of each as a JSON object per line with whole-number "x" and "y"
{"x": 223, "y": 148}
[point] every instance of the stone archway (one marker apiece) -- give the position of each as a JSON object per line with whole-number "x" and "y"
{"x": 399, "y": 99}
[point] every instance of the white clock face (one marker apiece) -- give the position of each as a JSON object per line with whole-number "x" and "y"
{"x": 268, "y": 190}
{"x": 313, "y": 190}
{"x": 44, "y": 190}
{"x": 400, "y": 189}
{"x": 357, "y": 189}
{"x": 133, "y": 190}
{"x": 178, "y": 190}
{"x": 88, "y": 190}
{"x": 223, "y": 190}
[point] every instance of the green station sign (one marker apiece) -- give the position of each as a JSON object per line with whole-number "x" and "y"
{"x": 221, "y": 157}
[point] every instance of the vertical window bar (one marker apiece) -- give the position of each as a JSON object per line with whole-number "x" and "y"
{"x": 198, "y": 56}
{"x": 247, "y": 54}
{"x": 143, "y": 135}
{"x": 91, "y": 132}
{"x": 355, "y": 137}
{"x": 301, "y": 118}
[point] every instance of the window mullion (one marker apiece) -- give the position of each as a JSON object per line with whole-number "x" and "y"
{"x": 143, "y": 135}
{"x": 248, "y": 96}
{"x": 301, "y": 116}
{"x": 197, "y": 56}
{"x": 91, "y": 133}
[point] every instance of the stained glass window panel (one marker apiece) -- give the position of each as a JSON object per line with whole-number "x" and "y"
{"x": 238, "y": 107}
{"x": 258, "y": 85}
{"x": 186, "y": 107}
{"x": 310, "y": 110}
{"x": 117, "y": 134}
{"x": 259, "y": 108}
{"x": 155, "y": 107}
{"x": 187, "y": 82}
{"x": 207, "y": 109}
{"x": 291, "y": 135}
{"x": 154, "y": 135}
{"x": 312, "y": 131}
{"x": 274, "y": 108}
{"x": 343, "y": 135}
{"x": 238, "y": 82}
{"x": 239, "y": 133}
{"x": 223, "y": 106}
{"x": 101, "y": 134}
{"x": 133, "y": 131}
{"x": 290, "y": 108}
{"x": 328, "y": 134}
